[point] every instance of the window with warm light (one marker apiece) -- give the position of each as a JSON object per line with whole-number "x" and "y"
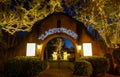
{"x": 87, "y": 49}
{"x": 31, "y": 47}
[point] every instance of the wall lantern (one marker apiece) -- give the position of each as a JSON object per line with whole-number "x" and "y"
{"x": 38, "y": 46}
{"x": 79, "y": 47}
{"x": 31, "y": 48}
{"x": 87, "y": 49}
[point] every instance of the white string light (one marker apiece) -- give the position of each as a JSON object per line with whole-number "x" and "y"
{"x": 58, "y": 30}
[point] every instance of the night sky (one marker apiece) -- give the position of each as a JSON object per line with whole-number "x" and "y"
{"x": 68, "y": 43}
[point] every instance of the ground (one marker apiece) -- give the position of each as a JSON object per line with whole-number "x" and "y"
{"x": 64, "y": 70}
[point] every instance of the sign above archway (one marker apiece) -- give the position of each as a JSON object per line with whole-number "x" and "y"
{"x": 58, "y": 30}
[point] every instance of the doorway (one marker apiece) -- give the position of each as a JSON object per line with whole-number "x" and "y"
{"x": 59, "y": 47}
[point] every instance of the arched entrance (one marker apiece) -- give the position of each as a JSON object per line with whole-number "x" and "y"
{"x": 59, "y": 47}
{"x": 44, "y": 53}
{"x": 62, "y": 25}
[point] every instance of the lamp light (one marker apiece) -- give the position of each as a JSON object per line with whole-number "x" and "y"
{"x": 38, "y": 46}
{"x": 79, "y": 47}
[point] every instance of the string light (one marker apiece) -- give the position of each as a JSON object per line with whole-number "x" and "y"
{"x": 58, "y": 30}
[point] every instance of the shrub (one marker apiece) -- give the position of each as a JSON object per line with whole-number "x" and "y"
{"x": 1, "y": 74}
{"x": 83, "y": 68}
{"x": 116, "y": 56}
{"x": 23, "y": 66}
{"x": 117, "y": 70}
{"x": 99, "y": 64}
{"x": 71, "y": 59}
{"x": 110, "y": 60}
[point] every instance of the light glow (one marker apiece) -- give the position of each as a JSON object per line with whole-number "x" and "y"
{"x": 65, "y": 56}
{"x": 87, "y": 49}
{"x": 31, "y": 47}
{"x": 54, "y": 55}
{"x": 38, "y": 46}
{"x": 79, "y": 47}
{"x": 58, "y": 30}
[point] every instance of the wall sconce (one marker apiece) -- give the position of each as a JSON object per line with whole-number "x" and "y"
{"x": 38, "y": 46}
{"x": 79, "y": 47}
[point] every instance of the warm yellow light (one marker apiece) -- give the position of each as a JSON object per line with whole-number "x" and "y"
{"x": 87, "y": 49}
{"x": 79, "y": 47}
{"x": 54, "y": 55}
{"x": 65, "y": 56}
{"x": 38, "y": 46}
{"x": 31, "y": 47}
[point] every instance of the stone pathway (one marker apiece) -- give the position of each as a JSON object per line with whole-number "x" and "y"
{"x": 57, "y": 73}
{"x": 64, "y": 71}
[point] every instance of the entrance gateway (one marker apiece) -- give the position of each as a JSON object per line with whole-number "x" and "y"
{"x": 57, "y": 33}
{"x": 60, "y": 24}
{"x": 58, "y": 30}
{"x": 57, "y": 45}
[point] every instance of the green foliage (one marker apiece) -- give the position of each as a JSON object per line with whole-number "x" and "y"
{"x": 20, "y": 15}
{"x": 117, "y": 70}
{"x": 99, "y": 64}
{"x": 111, "y": 64}
{"x": 116, "y": 56}
{"x": 1, "y": 74}
{"x": 23, "y": 66}
{"x": 24, "y": 13}
{"x": 83, "y": 68}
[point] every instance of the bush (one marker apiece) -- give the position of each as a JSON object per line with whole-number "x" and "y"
{"x": 117, "y": 70}
{"x": 23, "y": 66}
{"x": 99, "y": 64}
{"x": 116, "y": 56}
{"x": 110, "y": 60}
{"x": 83, "y": 68}
{"x": 71, "y": 59}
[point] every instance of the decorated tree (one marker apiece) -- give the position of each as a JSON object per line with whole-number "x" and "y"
{"x": 101, "y": 15}
{"x": 20, "y": 15}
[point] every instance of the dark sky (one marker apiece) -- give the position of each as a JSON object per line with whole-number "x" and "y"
{"x": 68, "y": 43}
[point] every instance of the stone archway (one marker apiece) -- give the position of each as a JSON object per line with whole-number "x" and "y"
{"x": 44, "y": 43}
{"x": 59, "y": 47}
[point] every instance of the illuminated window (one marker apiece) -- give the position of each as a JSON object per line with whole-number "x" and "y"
{"x": 30, "y": 49}
{"x": 87, "y": 49}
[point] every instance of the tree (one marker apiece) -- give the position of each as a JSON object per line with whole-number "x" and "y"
{"x": 20, "y": 15}
{"x": 102, "y": 15}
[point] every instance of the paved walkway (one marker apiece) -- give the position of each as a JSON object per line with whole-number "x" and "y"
{"x": 64, "y": 70}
